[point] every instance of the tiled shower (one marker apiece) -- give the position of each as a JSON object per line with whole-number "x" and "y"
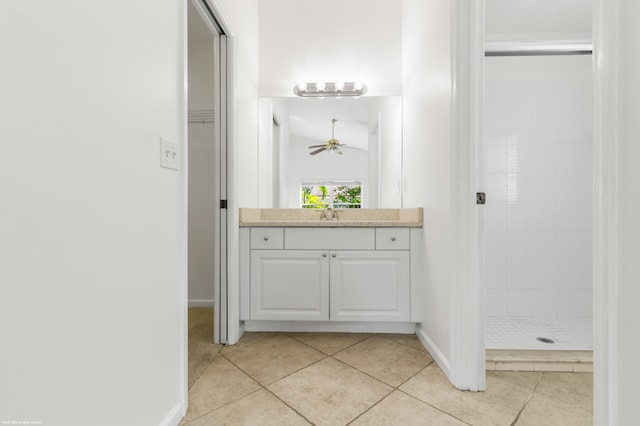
{"x": 537, "y": 161}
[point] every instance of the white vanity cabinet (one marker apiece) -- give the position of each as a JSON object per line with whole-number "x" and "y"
{"x": 369, "y": 286}
{"x": 289, "y": 285}
{"x": 326, "y": 274}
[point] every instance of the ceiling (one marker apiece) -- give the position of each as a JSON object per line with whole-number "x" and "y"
{"x": 311, "y": 119}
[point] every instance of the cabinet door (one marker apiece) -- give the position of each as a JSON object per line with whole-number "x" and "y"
{"x": 289, "y": 285}
{"x": 370, "y": 286}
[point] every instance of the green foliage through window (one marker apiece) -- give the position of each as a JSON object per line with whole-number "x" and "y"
{"x": 344, "y": 195}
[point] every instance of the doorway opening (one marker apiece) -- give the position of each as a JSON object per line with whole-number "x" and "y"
{"x": 207, "y": 179}
{"x": 537, "y": 170}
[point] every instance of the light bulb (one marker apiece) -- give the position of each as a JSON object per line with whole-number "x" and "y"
{"x": 339, "y": 86}
{"x": 302, "y": 87}
{"x": 320, "y": 86}
{"x": 358, "y": 85}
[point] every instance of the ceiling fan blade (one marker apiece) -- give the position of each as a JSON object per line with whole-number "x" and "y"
{"x": 316, "y": 146}
{"x": 351, "y": 147}
{"x": 317, "y": 150}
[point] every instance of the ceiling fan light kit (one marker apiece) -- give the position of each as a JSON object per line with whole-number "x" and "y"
{"x": 333, "y": 145}
{"x": 326, "y": 89}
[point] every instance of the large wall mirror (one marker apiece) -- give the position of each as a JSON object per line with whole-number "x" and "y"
{"x": 369, "y": 131}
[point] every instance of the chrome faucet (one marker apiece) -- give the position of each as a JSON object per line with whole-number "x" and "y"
{"x": 329, "y": 214}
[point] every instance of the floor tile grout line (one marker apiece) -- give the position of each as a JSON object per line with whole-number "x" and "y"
{"x": 285, "y": 403}
{"x": 235, "y": 348}
{"x": 343, "y": 349}
{"x": 526, "y": 402}
{"x": 223, "y": 405}
{"x": 373, "y": 405}
{"x": 425, "y": 402}
{"x": 433, "y": 406}
{"x": 515, "y": 421}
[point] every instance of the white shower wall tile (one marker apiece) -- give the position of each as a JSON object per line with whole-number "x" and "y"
{"x": 543, "y": 303}
{"x": 542, "y": 217}
{"x": 569, "y": 274}
{"x": 495, "y": 216}
{"x": 496, "y": 305}
{"x": 587, "y": 274}
{"x": 495, "y": 273}
{"x": 569, "y": 303}
{"x": 587, "y": 303}
{"x": 496, "y": 186}
{"x": 574, "y": 158}
{"x": 543, "y": 245}
{"x": 569, "y": 245}
{"x": 518, "y": 244}
{"x": 544, "y": 274}
{"x": 495, "y": 244}
{"x": 569, "y": 216}
{"x": 574, "y": 187}
{"x": 519, "y": 303}
{"x": 586, "y": 243}
{"x": 543, "y": 187}
{"x": 495, "y": 159}
{"x": 518, "y": 216}
{"x": 519, "y": 274}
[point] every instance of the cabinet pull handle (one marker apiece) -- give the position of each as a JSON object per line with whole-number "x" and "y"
{"x": 266, "y": 238}
{"x": 393, "y": 238}
{"x": 333, "y": 255}
{"x": 324, "y": 254}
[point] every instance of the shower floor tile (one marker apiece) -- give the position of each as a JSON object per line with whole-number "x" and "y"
{"x": 522, "y": 333}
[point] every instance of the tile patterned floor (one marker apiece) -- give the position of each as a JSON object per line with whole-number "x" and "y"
{"x": 361, "y": 379}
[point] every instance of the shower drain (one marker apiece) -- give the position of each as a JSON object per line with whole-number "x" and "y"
{"x": 545, "y": 340}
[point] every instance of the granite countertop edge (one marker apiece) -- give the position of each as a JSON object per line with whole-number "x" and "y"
{"x": 333, "y": 224}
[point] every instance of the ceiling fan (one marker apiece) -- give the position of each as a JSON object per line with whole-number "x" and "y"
{"x": 333, "y": 145}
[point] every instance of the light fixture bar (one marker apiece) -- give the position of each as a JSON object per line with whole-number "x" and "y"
{"x": 322, "y": 89}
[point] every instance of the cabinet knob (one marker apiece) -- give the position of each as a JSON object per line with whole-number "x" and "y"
{"x": 266, "y": 238}
{"x": 324, "y": 254}
{"x": 333, "y": 255}
{"x": 393, "y": 238}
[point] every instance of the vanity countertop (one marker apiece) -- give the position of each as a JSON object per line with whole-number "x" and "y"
{"x": 346, "y": 218}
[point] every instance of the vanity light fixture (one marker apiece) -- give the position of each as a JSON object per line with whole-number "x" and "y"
{"x": 322, "y": 89}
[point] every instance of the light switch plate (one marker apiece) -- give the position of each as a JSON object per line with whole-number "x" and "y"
{"x": 168, "y": 154}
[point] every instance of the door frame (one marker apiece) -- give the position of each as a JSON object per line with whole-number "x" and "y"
{"x": 213, "y": 15}
{"x": 468, "y": 308}
{"x": 467, "y": 291}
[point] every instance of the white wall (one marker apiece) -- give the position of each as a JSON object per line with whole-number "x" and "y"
{"x": 538, "y": 179}
{"x": 92, "y": 301}
{"x": 539, "y": 20}
{"x": 358, "y": 40}
{"x": 426, "y": 133}
{"x": 202, "y": 176}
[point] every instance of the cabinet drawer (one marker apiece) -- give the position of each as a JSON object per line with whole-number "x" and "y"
{"x": 267, "y": 238}
{"x": 392, "y": 239}
{"x": 330, "y": 239}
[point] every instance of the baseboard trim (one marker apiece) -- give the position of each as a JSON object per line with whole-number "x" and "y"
{"x": 332, "y": 327}
{"x": 175, "y": 415}
{"x": 201, "y": 303}
{"x": 434, "y": 350}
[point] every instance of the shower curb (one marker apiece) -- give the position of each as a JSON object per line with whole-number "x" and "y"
{"x": 539, "y": 360}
